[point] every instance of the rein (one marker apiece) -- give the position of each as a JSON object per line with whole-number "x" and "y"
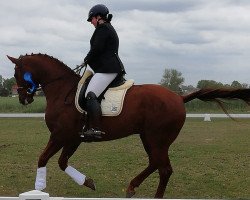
{"x": 53, "y": 80}
{"x": 57, "y": 79}
{"x": 77, "y": 70}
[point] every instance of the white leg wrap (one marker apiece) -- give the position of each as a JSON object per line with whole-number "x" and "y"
{"x": 40, "y": 183}
{"x": 77, "y": 176}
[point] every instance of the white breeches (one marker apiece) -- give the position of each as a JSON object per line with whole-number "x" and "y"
{"x": 99, "y": 82}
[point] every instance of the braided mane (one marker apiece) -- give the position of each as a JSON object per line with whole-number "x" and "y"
{"x": 51, "y": 58}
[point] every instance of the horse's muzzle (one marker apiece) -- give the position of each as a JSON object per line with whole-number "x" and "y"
{"x": 26, "y": 100}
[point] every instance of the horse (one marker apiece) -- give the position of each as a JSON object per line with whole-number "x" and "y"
{"x": 153, "y": 112}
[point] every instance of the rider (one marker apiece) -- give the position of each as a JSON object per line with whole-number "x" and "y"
{"x": 104, "y": 61}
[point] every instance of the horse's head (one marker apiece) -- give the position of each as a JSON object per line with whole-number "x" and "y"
{"x": 44, "y": 70}
{"x": 26, "y": 84}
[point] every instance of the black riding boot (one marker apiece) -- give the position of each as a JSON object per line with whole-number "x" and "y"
{"x": 94, "y": 114}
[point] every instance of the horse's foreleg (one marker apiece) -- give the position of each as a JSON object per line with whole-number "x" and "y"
{"x": 51, "y": 149}
{"x": 77, "y": 176}
{"x": 165, "y": 174}
{"x": 165, "y": 171}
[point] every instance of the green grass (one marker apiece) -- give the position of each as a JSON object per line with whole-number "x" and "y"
{"x": 12, "y": 105}
{"x": 210, "y": 160}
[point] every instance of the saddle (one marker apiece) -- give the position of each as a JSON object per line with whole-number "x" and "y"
{"x": 111, "y": 99}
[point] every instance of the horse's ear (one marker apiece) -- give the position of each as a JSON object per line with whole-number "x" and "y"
{"x": 14, "y": 60}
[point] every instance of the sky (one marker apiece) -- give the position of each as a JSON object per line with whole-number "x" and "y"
{"x": 204, "y": 40}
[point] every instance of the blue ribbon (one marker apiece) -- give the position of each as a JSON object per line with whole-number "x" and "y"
{"x": 28, "y": 78}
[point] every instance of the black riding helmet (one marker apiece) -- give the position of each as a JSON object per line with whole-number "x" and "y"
{"x": 98, "y": 9}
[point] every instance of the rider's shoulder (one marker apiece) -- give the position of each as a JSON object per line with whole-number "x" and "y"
{"x": 104, "y": 26}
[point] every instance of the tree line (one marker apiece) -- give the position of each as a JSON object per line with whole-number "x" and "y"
{"x": 6, "y": 86}
{"x": 174, "y": 80}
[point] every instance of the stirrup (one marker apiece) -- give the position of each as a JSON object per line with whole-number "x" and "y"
{"x": 92, "y": 133}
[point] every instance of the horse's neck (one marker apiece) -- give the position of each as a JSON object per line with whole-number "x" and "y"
{"x": 57, "y": 82}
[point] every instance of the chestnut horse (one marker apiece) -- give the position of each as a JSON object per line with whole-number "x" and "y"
{"x": 153, "y": 112}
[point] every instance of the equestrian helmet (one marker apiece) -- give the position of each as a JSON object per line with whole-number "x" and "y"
{"x": 98, "y": 9}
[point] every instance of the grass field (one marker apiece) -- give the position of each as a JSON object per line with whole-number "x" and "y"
{"x": 12, "y": 105}
{"x": 210, "y": 160}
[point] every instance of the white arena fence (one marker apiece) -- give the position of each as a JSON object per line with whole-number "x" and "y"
{"x": 38, "y": 195}
{"x": 206, "y": 116}
{"x": 21, "y": 115}
{"x": 218, "y": 115}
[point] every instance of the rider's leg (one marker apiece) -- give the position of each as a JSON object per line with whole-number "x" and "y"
{"x": 99, "y": 82}
{"x": 97, "y": 85}
{"x": 94, "y": 111}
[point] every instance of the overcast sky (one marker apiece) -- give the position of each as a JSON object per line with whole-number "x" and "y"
{"x": 203, "y": 39}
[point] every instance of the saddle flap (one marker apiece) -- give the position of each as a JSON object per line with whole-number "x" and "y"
{"x": 80, "y": 87}
{"x": 113, "y": 98}
{"x": 112, "y": 103}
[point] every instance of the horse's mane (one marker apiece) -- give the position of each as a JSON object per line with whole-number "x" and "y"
{"x": 51, "y": 58}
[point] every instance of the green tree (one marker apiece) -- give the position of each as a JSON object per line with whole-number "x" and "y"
{"x": 245, "y": 85}
{"x": 8, "y": 84}
{"x": 1, "y": 80}
{"x": 173, "y": 80}
{"x": 188, "y": 89}
{"x": 209, "y": 84}
{"x": 236, "y": 84}
{"x": 3, "y": 91}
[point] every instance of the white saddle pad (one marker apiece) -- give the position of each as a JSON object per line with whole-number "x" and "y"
{"x": 113, "y": 98}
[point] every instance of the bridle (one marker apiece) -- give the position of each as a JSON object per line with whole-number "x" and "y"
{"x": 27, "y": 78}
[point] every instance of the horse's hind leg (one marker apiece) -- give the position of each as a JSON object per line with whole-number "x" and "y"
{"x": 144, "y": 174}
{"x": 51, "y": 149}
{"x": 158, "y": 159}
{"x": 78, "y": 177}
{"x": 139, "y": 179}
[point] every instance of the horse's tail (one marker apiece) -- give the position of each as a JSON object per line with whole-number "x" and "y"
{"x": 209, "y": 94}
{"x": 217, "y": 94}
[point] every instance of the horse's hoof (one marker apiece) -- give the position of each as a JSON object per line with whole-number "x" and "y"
{"x": 130, "y": 194}
{"x": 89, "y": 183}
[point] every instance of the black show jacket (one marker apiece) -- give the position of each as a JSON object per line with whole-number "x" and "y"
{"x": 103, "y": 55}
